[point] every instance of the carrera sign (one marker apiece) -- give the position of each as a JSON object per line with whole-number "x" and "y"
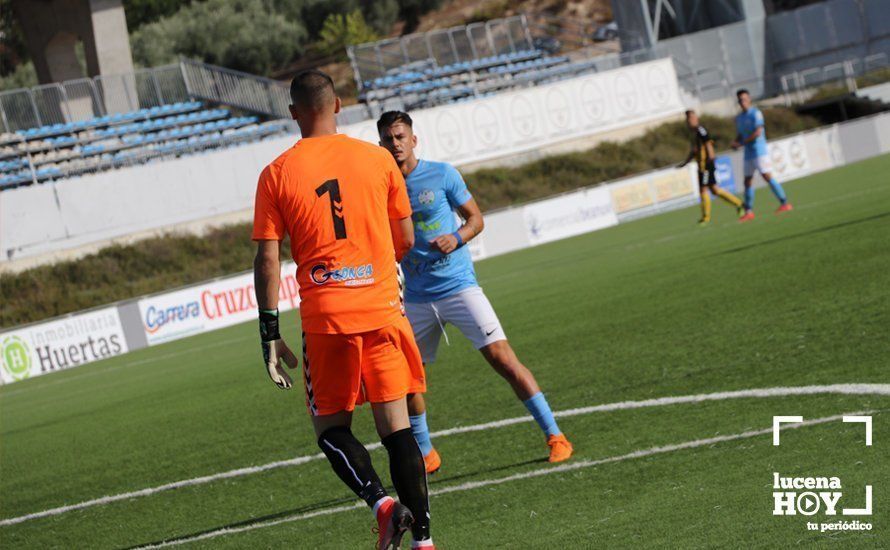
{"x": 60, "y": 344}
{"x": 210, "y": 306}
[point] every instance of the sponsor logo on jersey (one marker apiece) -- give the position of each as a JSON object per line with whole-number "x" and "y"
{"x": 348, "y": 275}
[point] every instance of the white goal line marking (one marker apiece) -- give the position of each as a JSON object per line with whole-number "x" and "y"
{"x": 842, "y": 389}
{"x": 567, "y": 467}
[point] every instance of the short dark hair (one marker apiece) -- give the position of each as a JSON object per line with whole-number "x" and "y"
{"x": 741, "y": 91}
{"x": 312, "y": 89}
{"x": 389, "y": 118}
{"x": 690, "y": 112}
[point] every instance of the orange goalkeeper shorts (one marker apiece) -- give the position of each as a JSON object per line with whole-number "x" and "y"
{"x": 341, "y": 371}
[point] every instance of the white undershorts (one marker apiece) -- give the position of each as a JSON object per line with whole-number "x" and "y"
{"x": 469, "y": 310}
{"x": 758, "y": 164}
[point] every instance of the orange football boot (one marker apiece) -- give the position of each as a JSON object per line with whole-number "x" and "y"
{"x": 433, "y": 462}
{"x": 560, "y": 448}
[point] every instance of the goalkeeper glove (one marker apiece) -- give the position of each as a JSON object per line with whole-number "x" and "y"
{"x": 275, "y": 351}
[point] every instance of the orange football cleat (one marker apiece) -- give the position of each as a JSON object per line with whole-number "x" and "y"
{"x": 560, "y": 448}
{"x": 747, "y": 217}
{"x": 785, "y": 208}
{"x": 433, "y": 462}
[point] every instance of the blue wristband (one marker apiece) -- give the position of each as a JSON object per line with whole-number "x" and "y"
{"x": 460, "y": 240}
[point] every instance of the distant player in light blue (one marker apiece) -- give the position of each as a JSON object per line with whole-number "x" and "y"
{"x": 752, "y": 136}
{"x": 441, "y": 287}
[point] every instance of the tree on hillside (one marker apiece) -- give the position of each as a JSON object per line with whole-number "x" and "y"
{"x": 245, "y": 35}
{"x": 12, "y": 43}
{"x": 381, "y": 14}
{"x": 340, "y": 31}
{"x": 411, "y": 10}
{"x": 142, "y": 12}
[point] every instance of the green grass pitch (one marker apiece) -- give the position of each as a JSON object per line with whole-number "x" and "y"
{"x": 654, "y": 308}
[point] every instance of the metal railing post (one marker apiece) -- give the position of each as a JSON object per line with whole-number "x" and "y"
{"x": 157, "y": 87}
{"x": 6, "y": 127}
{"x": 97, "y": 101}
{"x": 850, "y": 76}
{"x": 65, "y": 100}
{"x": 798, "y": 80}
{"x": 185, "y": 79}
{"x": 453, "y": 48}
{"x": 34, "y": 106}
{"x": 490, "y": 39}
{"x": 472, "y": 43}
{"x": 528, "y": 35}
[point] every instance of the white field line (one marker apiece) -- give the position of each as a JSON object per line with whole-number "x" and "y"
{"x": 841, "y": 389}
{"x": 567, "y": 467}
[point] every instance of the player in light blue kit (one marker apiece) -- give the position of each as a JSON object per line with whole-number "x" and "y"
{"x": 752, "y": 136}
{"x": 441, "y": 287}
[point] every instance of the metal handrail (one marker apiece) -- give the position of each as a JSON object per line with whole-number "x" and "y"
{"x": 796, "y": 81}
{"x": 360, "y": 54}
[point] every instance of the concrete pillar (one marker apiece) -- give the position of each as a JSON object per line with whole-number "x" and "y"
{"x": 53, "y": 28}
{"x": 755, "y": 21}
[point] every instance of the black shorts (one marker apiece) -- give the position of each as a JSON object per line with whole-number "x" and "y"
{"x": 707, "y": 177}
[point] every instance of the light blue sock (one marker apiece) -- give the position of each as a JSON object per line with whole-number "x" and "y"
{"x": 540, "y": 410}
{"x": 749, "y": 198}
{"x": 421, "y": 433}
{"x": 777, "y": 190}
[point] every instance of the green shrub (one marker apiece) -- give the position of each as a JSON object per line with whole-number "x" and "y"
{"x": 142, "y": 12}
{"x": 24, "y": 76}
{"x": 342, "y": 30}
{"x": 245, "y": 35}
{"x": 872, "y": 78}
{"x": 380, "y": 15}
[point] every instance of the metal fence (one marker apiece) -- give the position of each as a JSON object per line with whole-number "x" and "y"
{"x": 243, "y": 90}
{"x": 85, "y": 98}
{"x": 797, "y": 36}
{"x": 440, "y": 47}
{"x": 843, "y": 73}
{"x": 756, "y": 53}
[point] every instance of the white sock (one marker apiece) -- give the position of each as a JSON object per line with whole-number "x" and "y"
{"x": 380, "y": 502}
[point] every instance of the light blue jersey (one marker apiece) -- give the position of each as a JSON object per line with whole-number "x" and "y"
{"x": 746, "y": 123}
{"x": 436, "y": 189}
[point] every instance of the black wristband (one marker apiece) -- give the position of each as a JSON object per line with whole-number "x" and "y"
{"x": 269, "y": 325}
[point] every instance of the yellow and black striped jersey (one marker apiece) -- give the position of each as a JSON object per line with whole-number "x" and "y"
{"x": 700, "y": 139}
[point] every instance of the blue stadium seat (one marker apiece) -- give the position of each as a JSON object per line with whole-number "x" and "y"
{"x": 115, "y": 139}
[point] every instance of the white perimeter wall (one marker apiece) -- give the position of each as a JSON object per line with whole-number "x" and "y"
{"x": 98, "y": 207}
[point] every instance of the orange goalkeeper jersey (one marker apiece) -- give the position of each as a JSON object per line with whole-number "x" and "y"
{"x": 334, "y": 195}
